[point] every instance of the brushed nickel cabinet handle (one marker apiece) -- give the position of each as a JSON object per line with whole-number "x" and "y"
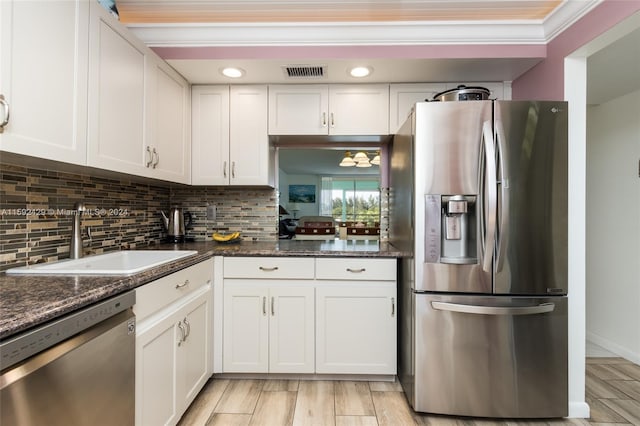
{"x": 333, "y": 121}
{"x": 264, "y": 306}
{"x": 393, "y": 306}
{"x": 273, "y": 308}
{"x": 233, "y": 169}
{"x": 157, "y": 156}
{"x": 224, "y": 169}
{"x": 184, "y": 284}
{"x": 188, "y": 324}
{"x": 324, "y": 119}
{"x": 357, "y": 271}
{"x": 149, "y": 157}
{"x": 263, "y": 268}
{"x": 5, "y": 105}
{"x": 182, "y": 334}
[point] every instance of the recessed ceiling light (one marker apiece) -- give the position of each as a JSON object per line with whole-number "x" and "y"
{"x": 359, "y": 72}
{"x": 232, "y": 72}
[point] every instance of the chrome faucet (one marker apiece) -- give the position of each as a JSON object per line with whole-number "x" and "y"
{"x": 75, "y": 246}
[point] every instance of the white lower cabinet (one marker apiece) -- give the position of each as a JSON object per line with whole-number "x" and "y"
{"x": 356, "y": 328}
{"x": 173, "y": 345}
{"x": 268, "y": 329}
{"x": 305, "y": 315}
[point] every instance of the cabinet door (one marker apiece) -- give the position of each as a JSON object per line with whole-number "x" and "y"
{"x": 298, "y": 109}
{"x": 356, "y": 328}
{"x": 43, "y": 77}
{"x": 169, "y": 126}
{"x": 252, "y": 160}
{"x": 245, "y": 329}
{"x": 402, "y": 97}
{"x": 210, "y": 135}
{"x": 194, "y": 371}
{"x": 359, "y": 109}
{"x": 156, "y": 358}
{"x": 291, "y": 330}
{"x": 117, "y": 110}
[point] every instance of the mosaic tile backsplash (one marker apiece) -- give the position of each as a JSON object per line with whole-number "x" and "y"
{"x": 36, "y": 212}
{"x": 252, "y": 211}
{"x": 36, "y": 204}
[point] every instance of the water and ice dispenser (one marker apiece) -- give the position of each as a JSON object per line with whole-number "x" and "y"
{"x": 450, "y": 225}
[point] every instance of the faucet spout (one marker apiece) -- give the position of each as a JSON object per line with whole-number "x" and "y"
{"x": 75, "y": 245}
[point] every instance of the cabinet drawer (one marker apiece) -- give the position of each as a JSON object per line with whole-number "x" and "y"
{"x": 268, "y": 267}
{"x": 159, "y": 293}
{"x": 356, "y": 269}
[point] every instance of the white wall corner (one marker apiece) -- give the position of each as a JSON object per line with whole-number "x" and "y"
{"x": 575, "y": 84}
{"x": 579, "y": 410}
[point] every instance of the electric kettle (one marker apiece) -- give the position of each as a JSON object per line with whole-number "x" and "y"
{"x": 176, "y": 223}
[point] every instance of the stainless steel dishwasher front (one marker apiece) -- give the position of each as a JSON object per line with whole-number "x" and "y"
{"x": 85, "y": 379}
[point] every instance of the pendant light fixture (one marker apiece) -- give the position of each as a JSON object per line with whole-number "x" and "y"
{"x": 347, "y": 161}
{"x": 376, "y": 160}
{"x": 361, "y": 159}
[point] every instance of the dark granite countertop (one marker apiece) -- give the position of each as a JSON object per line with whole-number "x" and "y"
{"x": 27, "y": 301}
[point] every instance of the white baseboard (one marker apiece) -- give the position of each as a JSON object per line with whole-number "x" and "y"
{"x": 625, "y": 353}
{"x": 579, "y": 410}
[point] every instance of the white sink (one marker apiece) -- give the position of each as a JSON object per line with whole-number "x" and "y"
{"x": 126, "y": 262}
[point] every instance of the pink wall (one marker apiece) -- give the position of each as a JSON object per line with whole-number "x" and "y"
{"x": 545, "y": 81}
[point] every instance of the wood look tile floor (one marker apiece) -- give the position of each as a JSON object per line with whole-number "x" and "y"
{"x": 612, "y": 391}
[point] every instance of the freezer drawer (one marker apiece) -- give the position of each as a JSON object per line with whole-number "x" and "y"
{"x": 491, "y": 356}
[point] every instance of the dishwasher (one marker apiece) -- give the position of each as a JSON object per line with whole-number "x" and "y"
{"x": 76, "y": 370}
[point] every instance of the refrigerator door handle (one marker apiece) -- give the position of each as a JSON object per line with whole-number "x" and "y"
{"x": 542, "y": 308}
{"x": 492, "y": 197}
{"x": 503, "y": 234}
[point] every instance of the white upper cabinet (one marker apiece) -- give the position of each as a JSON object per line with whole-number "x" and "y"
{"x": 299, "y": 109}
{"x": 339, "y": 109}
{"x": 252, "y": 159}
{"x": 169, "y": 124}
{"x": 43, "y": 78}
{"x": 117, "y": 90}
{"x": 359, "y": 109}
{"x": 402, "y": 98}
{"x": 230, "y": 145}
{"x": 210, "y": 135}
{"x": 138, "y": 106}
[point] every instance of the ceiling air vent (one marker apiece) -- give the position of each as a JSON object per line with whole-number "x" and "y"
{"x": 304, "y": 71}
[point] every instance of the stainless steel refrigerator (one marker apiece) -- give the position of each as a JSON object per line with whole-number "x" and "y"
{"x": 478, "y": 195}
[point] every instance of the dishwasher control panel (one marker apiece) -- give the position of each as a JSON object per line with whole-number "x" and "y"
{"x": 29, "y": 343}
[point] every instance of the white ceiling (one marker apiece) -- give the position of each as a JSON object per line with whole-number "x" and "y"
{"x": 404, "y": 41}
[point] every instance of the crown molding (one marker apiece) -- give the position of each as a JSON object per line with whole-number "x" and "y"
{"x": 364, "y": 33}
{"x": 566, "y": 15}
